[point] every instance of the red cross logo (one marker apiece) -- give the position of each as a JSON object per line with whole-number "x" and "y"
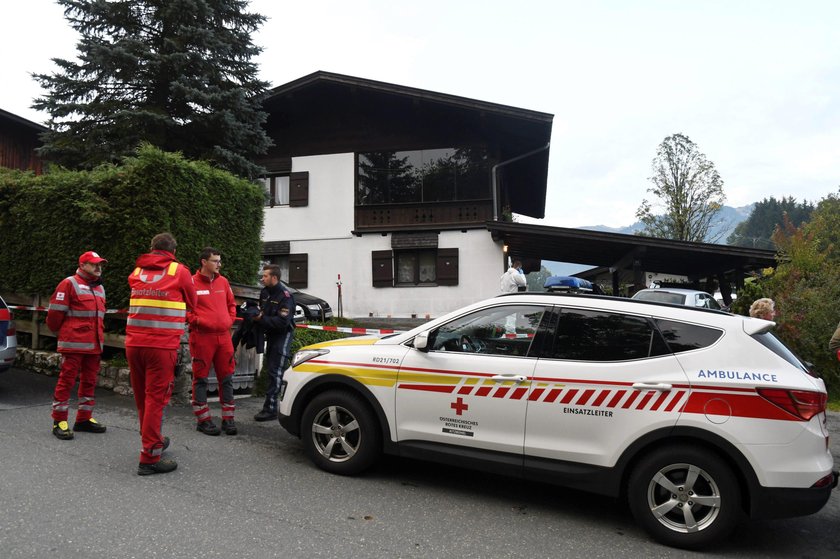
{"x": 459, "y": 406}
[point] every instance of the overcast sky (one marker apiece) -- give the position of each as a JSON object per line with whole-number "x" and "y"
{"x": 755, "y": 84}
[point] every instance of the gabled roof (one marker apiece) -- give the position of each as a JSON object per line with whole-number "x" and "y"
{"x": 330, "y": 113}
{"x": 411, "y": 92}
{"x": 15, "y": 119}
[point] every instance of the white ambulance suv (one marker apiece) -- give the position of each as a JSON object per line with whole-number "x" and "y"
{"x": 697, "y": 417}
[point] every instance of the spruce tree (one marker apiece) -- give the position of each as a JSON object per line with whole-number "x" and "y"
{"x": 174, "y": 73}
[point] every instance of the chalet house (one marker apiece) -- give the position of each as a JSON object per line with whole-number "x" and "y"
{"x": 18, "y": 141}
{"x": 390, "y": 190}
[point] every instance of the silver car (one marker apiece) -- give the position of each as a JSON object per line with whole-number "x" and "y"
{"x": 8, "y": 337}
{"x": 678, "y": 296}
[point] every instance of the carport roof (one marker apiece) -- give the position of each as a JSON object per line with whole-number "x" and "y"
{"x": 616, "y": 251}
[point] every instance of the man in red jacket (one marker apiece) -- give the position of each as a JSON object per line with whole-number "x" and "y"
{"x": 162, "y": 291}
{"x": 210, "y": 342}
{"x": 76, "y": 313}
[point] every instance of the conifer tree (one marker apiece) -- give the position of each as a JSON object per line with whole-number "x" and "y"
{"x": 177, "y": 74}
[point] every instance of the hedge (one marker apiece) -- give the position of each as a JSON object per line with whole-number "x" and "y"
{"x": 115, "y": 210}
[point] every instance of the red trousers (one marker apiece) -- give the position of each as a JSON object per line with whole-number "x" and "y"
{"x": 86, "y": 367}
{"x": 209, "y": 349}
{"x": 152, "y": 377}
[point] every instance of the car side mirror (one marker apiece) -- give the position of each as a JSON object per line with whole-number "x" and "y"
{"x": 421, "y": 341}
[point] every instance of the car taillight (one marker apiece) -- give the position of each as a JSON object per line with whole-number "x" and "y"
{"x": 829, "y": 480}
{"x": 10, "y": 331}
{"x": 803, "y": 404}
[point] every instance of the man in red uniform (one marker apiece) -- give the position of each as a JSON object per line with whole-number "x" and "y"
{"x": 76, "y": 313}
{"x": 161, "y": 292}
{"x": 210, "y": 342}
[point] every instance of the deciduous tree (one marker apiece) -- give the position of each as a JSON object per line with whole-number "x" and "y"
{"x": 689, "y": 192}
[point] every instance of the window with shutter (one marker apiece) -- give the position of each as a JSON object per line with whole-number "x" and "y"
{"x": 447, "y": 266}
{"x": 383, "y": 268}
{"x": 299, "y": 189}
{"x": 298, "y": 270}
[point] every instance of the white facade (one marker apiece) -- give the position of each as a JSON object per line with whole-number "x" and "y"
{"x": 323, "y": 230}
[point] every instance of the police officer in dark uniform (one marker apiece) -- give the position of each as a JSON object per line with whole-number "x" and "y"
{"x": 276, "y": 322}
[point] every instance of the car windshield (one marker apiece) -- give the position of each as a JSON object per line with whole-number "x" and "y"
{"x": 661, "y": 297}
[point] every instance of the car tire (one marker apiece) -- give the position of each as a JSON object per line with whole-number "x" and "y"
{"x": 684, "y": 496}
{"x": 340, "y": 433}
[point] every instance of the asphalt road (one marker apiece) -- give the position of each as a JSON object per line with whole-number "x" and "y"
{"x": 255, "y": 495}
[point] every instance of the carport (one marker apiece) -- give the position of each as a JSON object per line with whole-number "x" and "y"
{"x": 618, "y": 258}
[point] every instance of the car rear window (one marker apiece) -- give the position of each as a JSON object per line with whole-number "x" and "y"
{"x": 681, "y": 336}
{"x": 661, "y": 297}
{"x": 775, "y": 345}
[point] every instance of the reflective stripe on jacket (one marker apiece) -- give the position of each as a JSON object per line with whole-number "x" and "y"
{"x": 158, "y": 307}
{"x": 76, "y": 313}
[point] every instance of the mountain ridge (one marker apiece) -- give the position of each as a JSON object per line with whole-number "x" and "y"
{"x": 725, "y": 224}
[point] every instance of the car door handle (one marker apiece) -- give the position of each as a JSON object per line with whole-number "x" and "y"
{"x": 660, "y": 386}
{"x": 503, "y": 378}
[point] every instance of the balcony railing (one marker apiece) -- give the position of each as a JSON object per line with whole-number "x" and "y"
{"x": 436, "y": 215}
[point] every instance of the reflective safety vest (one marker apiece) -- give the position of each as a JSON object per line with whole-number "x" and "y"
{"x": 76, "y": 313}
{"x": 157, "y": 311}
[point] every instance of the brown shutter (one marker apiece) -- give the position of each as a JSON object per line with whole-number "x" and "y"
{"x": 299, "y": 189}
{"x": 298, "y": 270}
{"x": 383, "y": 268}
{"x": 447, "y": 266}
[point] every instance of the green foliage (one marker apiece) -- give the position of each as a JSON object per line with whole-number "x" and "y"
{"x": 177, "y": 74}
{"x": 753, "y": 289}
{"x": 689, "y": 189}
{"x": 49, "y": 220}
{"x": 757, "y": 230}
{"x": 806, "y": 288}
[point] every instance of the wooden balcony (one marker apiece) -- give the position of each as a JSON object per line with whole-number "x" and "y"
{"x": 436, "y": 215}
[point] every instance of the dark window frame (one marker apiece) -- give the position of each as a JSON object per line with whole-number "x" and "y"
{"x": 384, "y": 271}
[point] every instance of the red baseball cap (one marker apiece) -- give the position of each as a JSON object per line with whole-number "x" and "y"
{"x": 91, "y": 257}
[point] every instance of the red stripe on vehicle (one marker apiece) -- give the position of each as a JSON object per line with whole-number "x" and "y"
{"x": 501, "y": 391}
{"x": 519, "y": 393}
{"x": 465, "y": 389}
{"x": 535, "y": 395}
{"x": 677, "y": 397}
{"x": 659, "y": 401}
{"x": 645, "y": 400}
{"x": 742, "y": 405}
{"x": 552, "y": 395}
{"x": 587, "y": 394}
{"x": 483, "y": 391}
{"x": 633, "y": 396}
{"x": 569, "y": 395}
{"x": 428, "y": 387}
{"x": 601, "y": 397}
{"x": 616, "y": 399}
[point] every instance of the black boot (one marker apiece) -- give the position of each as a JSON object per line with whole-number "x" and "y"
{"x": 265, "y": 415}
{"x": 208, "y": 428}
{"x": 229, "y": 427}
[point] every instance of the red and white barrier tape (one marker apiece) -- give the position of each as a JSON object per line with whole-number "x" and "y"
{"x": 45, "y": 309}
{"x": 346, "y": 330}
